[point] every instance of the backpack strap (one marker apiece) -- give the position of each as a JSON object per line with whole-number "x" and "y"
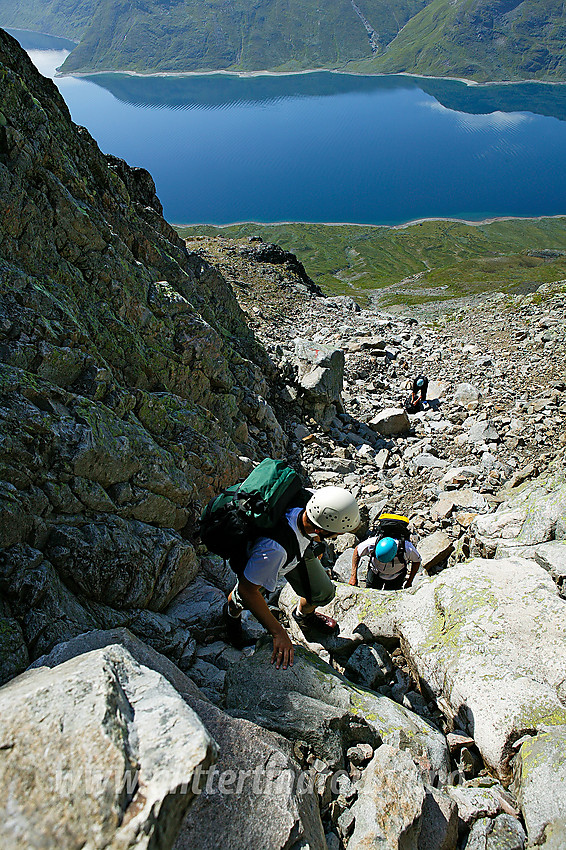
{"x": 286, "y": 537}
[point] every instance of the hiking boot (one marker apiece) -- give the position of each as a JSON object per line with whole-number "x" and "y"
{"x": 234, "y": 630}
{"x": 316, "y": 622}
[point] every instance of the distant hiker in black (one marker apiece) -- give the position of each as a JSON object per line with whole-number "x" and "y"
{"x": 418, "y": 395}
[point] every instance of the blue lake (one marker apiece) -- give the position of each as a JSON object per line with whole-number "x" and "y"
{"x": 326, "y": 147}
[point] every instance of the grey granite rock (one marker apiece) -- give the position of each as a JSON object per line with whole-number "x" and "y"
{"x": 390, "y": 801}
{"x": 540, "y": 777}
{"x": 391, "y": 422}
{"x": 311, "y": 701}
{"x": 500, "y": 833}
{"x": 141, "y": 652}
{"x": 82, "y": 759}
{"x": 255, "y": 796}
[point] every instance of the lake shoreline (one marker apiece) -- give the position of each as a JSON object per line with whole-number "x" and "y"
{"x": 265, "y": 73}
{"x": 402, "y": 226}
{"x": 251, "y": 74}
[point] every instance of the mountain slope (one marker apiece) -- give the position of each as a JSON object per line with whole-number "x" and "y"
{"x": 131, "y": 386}
{"x": 482, "y": 39}
{"x": 66, "y": 18}
{"x": 478, "y": 39}
{"x": 192, "y": 35}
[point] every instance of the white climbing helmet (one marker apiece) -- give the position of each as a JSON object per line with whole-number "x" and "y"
{"x": 333, "y": 509}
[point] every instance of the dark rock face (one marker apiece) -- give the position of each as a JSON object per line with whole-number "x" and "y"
{"x": 267, "y": 252}
{"x": 127, "y": 373}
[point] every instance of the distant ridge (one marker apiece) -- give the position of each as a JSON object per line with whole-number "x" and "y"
{"x": 473, "y": 39}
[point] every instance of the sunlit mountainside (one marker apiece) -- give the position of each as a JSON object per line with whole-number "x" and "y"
{"x": 479, "y": 39}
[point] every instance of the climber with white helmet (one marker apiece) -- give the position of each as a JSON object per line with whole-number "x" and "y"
{"x": 329, "y": 512}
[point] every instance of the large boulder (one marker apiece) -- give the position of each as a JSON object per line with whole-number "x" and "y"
{"x": 140, "y": 651}
{"x": 534, "y": 515}
{"x": 310, "y": 701}
{"x": 503, "y": 832}
{"x": 483, "y": 432}
{"x": 466, "y": 394}
{"x": 391, "y": 422}
{"x": 269, "y": 798}
{"x": 396, "y": 809}
{"x": 451, "y": 500}
{"x": 199, "y": 608}
{"x": 434, "y": 549}
{"x": 388, "y": 809}
{"x": 540, "y": 777}
{"x": 488, "y": 639}
{"x": 255, "y": 796}
{"x": 552, "y": 557}
{"x": 321, "y": 378}
{"x": 82, "y": 763}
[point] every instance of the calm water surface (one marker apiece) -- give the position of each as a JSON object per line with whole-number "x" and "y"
{"x": 326, "y": 147}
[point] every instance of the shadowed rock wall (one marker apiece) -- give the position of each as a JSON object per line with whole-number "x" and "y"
{"x": 129, "y": 384}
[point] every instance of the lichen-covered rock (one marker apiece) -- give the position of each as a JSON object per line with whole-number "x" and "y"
{"x": 360, "y": 614}
{"x": 489, "y": 639}
{"x": 82, "y": 762}
{"x": 122, "y": 563}
{"x": 540, "y": 777}
{"x": 311, "y": 701}
{"x": 501, "y": 833}
{"x": 535, "y": 514}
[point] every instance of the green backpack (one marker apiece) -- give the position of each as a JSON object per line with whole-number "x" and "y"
{"x": 254, "y": 508}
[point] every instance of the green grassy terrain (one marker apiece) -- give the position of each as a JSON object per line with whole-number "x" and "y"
{"x": 421, "y": 262}
{"x": 66, "y": 18}
{"x": 197, "y": 35}
{"x": 482, "y": 40}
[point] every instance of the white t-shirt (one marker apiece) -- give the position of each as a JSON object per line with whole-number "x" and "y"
{"x": 392, "y": 568}
{"x": 267, "y": 558}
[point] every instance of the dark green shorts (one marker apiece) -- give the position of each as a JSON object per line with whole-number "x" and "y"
{"x": 323, "y": 589}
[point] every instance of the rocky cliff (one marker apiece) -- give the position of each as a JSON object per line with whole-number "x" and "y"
{"x": 139, "y": 375}
{"x": 132, "y": 387}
